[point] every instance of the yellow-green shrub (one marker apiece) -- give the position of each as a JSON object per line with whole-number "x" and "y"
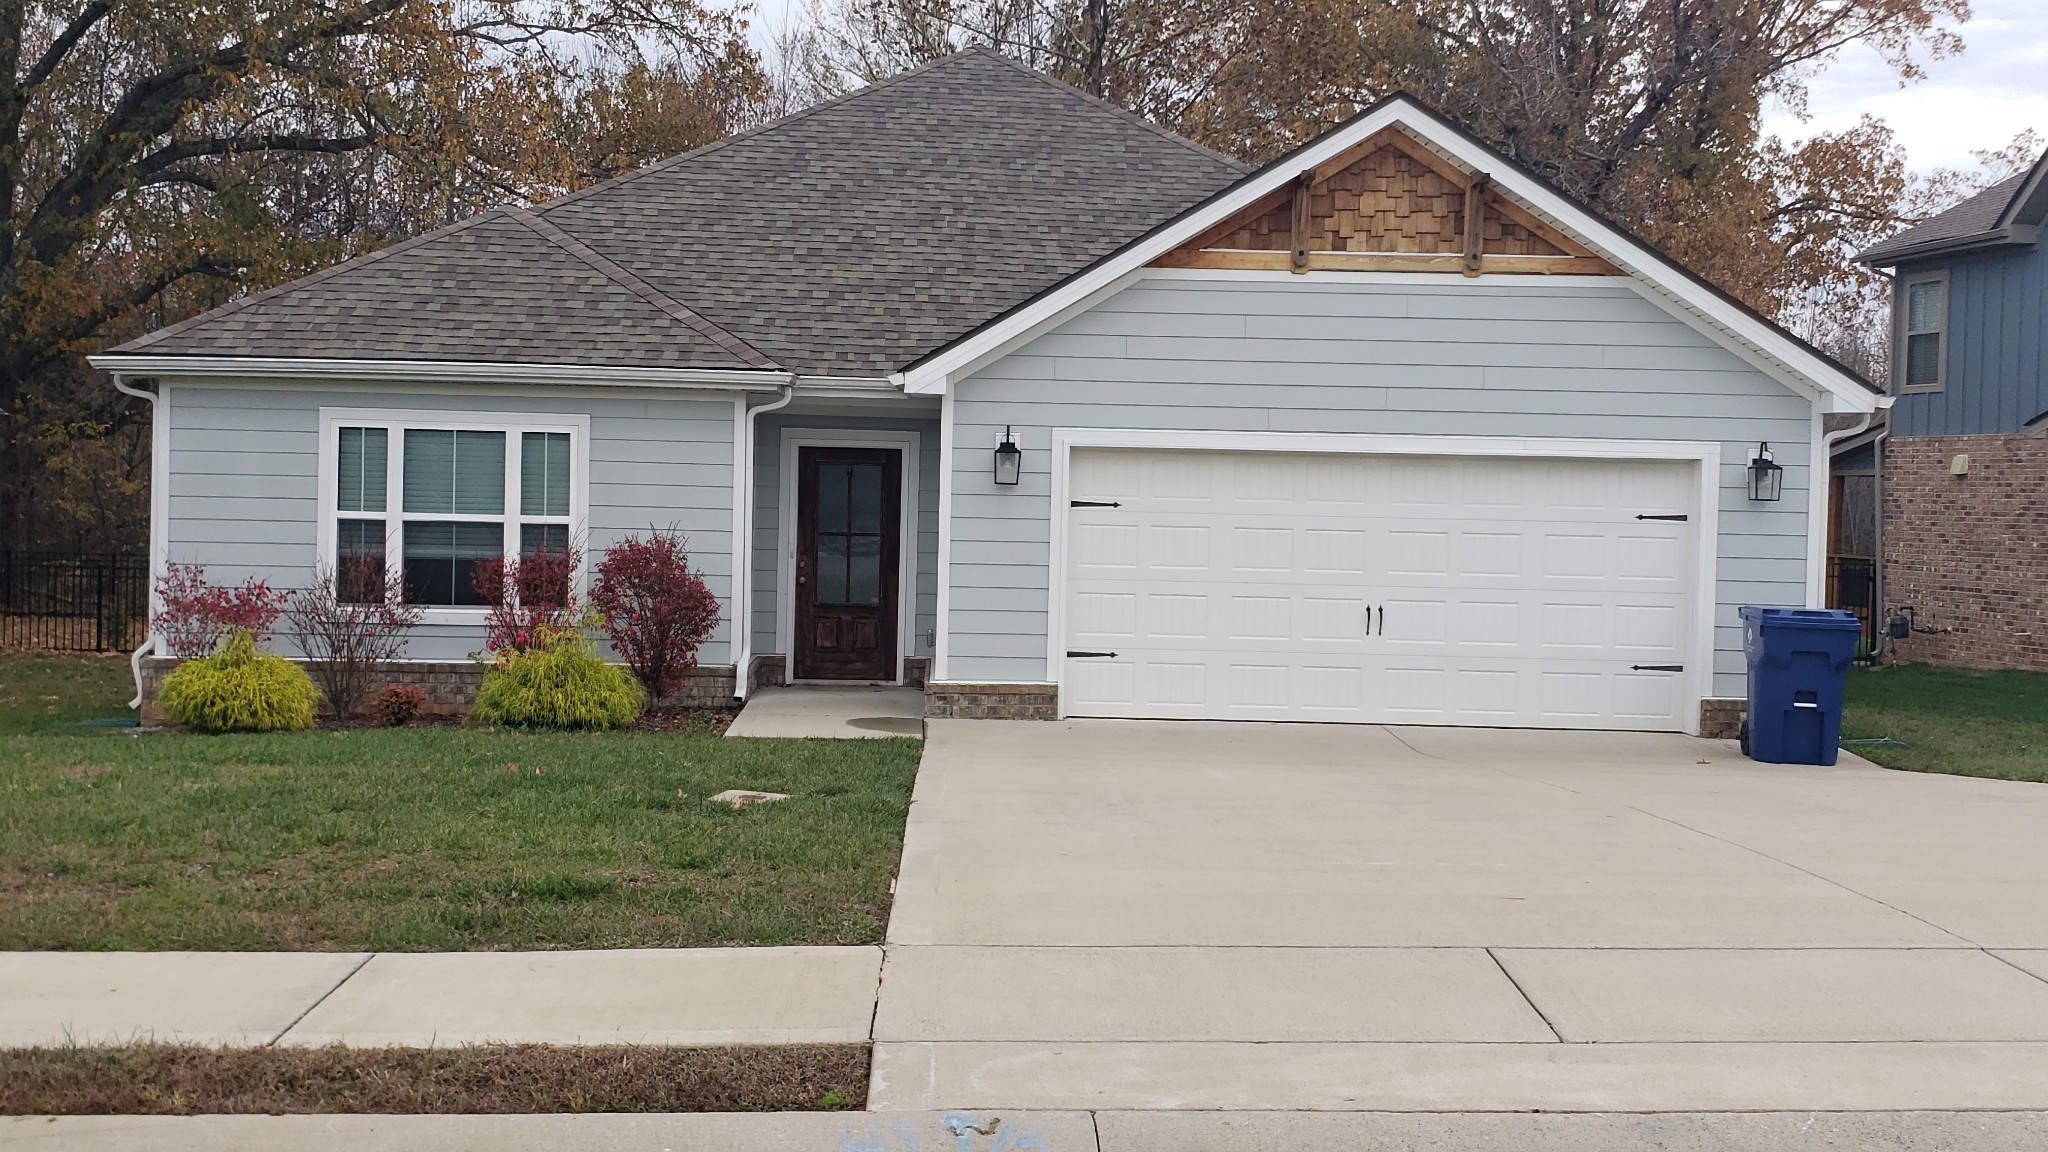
{"x": 561, "y": 683}
{"x": 238, "y": 689}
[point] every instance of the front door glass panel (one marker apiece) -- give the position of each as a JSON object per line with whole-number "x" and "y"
{"x": 850, "y": 534}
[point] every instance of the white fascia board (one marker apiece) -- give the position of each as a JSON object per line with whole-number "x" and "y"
{"x": 427, "y": 371}
{"x": 1700, "y": 305}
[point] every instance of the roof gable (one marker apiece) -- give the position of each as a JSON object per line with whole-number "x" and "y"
{"x": 2008, "y": 213}
{"x": 1387, "y": 204}
{"x": 1680, "y": 291}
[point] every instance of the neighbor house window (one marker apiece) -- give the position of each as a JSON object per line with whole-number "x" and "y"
{"x": 1926, "y": 327}
{"x": 431, "y": 499}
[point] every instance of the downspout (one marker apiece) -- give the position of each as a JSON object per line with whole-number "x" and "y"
{"x": 1828, "y": 442}
{"x": 743, "y": 578}
{"x": 149, "y": 643}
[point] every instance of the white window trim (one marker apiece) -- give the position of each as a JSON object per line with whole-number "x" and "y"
{"x": 332, "y": 420}
{"x": 1906, "y": 333}
{"x": 793, "y": 439}
{"x": 1705, "y": 455}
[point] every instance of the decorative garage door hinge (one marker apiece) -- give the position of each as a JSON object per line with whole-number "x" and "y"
{"x": 1662, "y": 516}
{"x": 1071, "y": 652}
{"x": 1093, "y": 504}
{"x": 1656, "y": 667}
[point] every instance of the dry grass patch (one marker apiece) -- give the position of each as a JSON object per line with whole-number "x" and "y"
{"x": 190, "y": 1080}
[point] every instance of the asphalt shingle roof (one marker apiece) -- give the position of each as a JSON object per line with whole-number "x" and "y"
{"x": 848, "y": 239}
{"x": 1974, "y": 217}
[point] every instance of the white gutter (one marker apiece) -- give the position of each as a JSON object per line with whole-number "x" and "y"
{"x": 157, "y": 467}
{"x": 743, "y": 548}
{"x": 481, "y": 372}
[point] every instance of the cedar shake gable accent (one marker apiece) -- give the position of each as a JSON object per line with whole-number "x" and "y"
{"x": 1389, "y": 204}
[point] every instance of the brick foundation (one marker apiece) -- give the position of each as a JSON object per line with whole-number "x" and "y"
{"x": 958, "y": 701}
{"x": 766, "y": 672}
{"x": 1969, "y": 554}
{"x": 452, "y": 685}
{"x": 1722, "y": 719}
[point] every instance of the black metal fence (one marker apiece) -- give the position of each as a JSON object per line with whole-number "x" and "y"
{"x": 73, "y": 601}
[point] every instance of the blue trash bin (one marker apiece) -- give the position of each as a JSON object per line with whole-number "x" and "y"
{"x": 1798, "y": 664}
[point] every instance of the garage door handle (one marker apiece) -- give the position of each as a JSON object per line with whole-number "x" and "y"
{"x": 1093, "y": 504}
{"x": 1073, "y": 654}
{"x": 1663, "y": 516}
{"x": 1656, "y": 667}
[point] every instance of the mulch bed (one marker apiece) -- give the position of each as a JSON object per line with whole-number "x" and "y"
{"x": 189, "y": 1080}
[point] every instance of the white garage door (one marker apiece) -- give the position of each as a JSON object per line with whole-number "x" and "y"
{"x": 1387, "y": 589}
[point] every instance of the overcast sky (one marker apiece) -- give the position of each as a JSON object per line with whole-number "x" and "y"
{"x": 1979, "y": 99}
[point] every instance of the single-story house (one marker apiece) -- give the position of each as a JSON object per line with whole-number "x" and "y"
{"x": 972, "y": 380}
{"x": 1963, "y": 459}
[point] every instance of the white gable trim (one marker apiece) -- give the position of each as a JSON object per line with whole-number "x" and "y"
{"x": 1769, "y": 349}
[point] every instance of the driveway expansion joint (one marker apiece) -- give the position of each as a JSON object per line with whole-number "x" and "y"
{"x": 1526, "y": 998}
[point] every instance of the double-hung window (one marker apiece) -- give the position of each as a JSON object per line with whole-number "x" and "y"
{"x": 428, "y": 496}
{"x": 1925, "y": 328}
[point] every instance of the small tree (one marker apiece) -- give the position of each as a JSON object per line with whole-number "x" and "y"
{"x": 656, "y": 611}
{"x": 528, "y": 597}
{"x": 345, "y": 633}
{"x": 194, "y": 613}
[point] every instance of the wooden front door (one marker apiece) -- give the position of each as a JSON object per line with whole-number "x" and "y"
{"x": 848, "y": 524}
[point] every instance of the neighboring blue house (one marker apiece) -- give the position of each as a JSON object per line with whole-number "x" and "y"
{"x": 1964, "y": 457}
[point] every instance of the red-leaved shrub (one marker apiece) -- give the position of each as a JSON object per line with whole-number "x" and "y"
{"x": 193, "y": 613}
{"x": 346, "y": 629}
{"x": 399, "y": 703}
{"x": 530, "y": 598}
{"x": 656, "y": 611}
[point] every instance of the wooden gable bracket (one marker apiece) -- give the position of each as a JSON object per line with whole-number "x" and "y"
{"x": 1298, "y": 234}
{"x": 1475, "y": 222}
{"x": 1281, "y": 231}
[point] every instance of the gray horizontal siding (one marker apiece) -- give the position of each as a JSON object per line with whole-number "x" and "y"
{"x": 1997, "y": 369}
{"x": 1577, "y": 358}
{"x": 244, "y": 483}
{"x": 767, "y": 526}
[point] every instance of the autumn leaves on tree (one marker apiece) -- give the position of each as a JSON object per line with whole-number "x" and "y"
{"x": 158, "y": 157}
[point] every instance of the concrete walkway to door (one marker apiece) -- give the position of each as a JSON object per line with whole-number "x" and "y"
{"x": 1132, "y": 915}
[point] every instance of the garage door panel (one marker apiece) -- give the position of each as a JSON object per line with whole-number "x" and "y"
{"x": 1396, "y": 589}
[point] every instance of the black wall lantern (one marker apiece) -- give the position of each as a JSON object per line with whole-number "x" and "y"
{"x": 1010, "y": 460}
{"x": 1766, "y": 479}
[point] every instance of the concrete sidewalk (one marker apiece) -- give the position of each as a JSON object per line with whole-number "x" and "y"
{"x": 1040, "y": 1132}
{"x": 629, "y": 996}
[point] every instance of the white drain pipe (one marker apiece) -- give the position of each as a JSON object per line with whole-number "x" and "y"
{"x": 743, "y": 548}
{"x": 157, "y": 469}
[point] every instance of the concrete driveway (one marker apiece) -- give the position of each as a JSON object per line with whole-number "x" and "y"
{"x": 1131, "y": 915}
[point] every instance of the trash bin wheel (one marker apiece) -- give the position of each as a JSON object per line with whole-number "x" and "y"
{"x": 1744, "y": 737}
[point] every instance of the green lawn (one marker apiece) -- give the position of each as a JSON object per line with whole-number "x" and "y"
{"x": 1949, "y": 720}
{"x": 427, "y": 838}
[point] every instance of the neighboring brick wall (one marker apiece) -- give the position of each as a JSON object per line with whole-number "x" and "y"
{"x": 959, "y": 701}
{"x": 1969, "y": 554}
{"x": 452, "y": 685}
{"x": 1722, "y": 719}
